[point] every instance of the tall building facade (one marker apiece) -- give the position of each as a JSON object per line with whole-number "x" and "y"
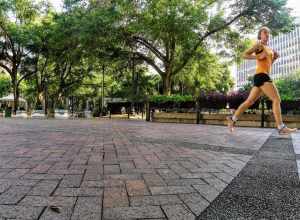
{"x": 288, "y": 48}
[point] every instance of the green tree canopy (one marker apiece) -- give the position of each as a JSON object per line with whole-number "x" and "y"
{"x": 289, "y": 87}
{"x": 4, "y": 85}
{"x": 167, "y": 34}
{"x": 207, "y": 73}
{"x": 17, "y": 29}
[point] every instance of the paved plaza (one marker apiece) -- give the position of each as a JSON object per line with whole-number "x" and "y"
{"x": 118, "y": 169}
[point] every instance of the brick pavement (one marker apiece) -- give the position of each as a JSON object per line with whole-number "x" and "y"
{"x": 117, "y": 169}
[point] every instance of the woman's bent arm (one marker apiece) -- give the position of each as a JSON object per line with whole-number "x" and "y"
{"x": 258, "y": 49}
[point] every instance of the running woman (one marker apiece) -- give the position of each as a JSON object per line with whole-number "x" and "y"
{"x": 263, "y": 84}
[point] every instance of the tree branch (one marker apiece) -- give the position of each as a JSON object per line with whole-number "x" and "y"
{"x": 25, "y": 76}
{"x": 29, "y": 73}
{"x": 150, "y": 62}
{"x": 173, "y": 47}
{"x": 44, "y": 66}
{"x": 63, "y": 71}
{"x": 67, "y": 85}
{"x": 148, "y": 45}
{"x": 67, "y": 71}
{"x": 5, "y": 68}
{"x": 209, "y": 33}
{"x": 8, "y": 37}
{"x": 4, "y": 54}
{"x": 210, "y": 3}
{"x": 221, "y": 27}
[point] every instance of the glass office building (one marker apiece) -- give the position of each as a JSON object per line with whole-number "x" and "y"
{"x": 288, "y": 47}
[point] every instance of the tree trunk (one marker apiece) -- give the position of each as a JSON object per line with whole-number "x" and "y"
{"x": 167, "y": 84}
{"x": 45, "y": 99}
{"x": 16, "y": 94}
{"x": 16, "y": 99}
{"x": 102, "y": 91}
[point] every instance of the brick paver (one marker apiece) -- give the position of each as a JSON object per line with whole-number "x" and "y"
{"x": 102, "y": 169}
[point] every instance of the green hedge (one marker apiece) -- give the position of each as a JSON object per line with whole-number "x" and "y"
{"x": 172, "y": 102}
{"x": 175, "y": 99}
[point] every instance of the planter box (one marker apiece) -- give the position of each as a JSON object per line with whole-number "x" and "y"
{"x": 20, "y": 114}
{"x": 61, "y": 114}
{"x": 88, "y": 114}
{"x": 247, "y": 120}
{"x": 38, "y": 114}
{"x": 189, "y": 118}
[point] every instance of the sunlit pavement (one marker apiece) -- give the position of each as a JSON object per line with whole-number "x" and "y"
{"x": 119, "y": 169}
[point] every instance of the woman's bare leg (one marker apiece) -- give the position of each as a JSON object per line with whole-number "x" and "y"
{"x": 254, "y": 95}
{"x": 270, "y": 90}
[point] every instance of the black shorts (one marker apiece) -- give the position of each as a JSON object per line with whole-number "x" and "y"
{"x": 260, "y": 78}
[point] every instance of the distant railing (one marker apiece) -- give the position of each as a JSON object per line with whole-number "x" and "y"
{"x": 263, "y": 107}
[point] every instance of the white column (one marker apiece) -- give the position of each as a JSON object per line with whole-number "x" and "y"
{"x": 87, "y": 105}
{"x": 296, "y": 47}
{"x": 285, "y": 54}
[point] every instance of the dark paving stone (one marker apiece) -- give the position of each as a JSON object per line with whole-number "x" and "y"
{"x": 267, "y": 188}
{"x": 154, "y": 200}
{"x": 65, "y": 214}
{"x": 163, "y": 190}
{"x": 185, "y": 182}
{"x": 20, "y": 212}
{"x": 154, "y": 180}
{"x": 42, "y": 176}
{"x": 115, "y": 197}
{"x": 218, "y": 148}
{"x": 16, "y": 173}
{"x": 178, "y": 212}
{"x": 13, "y": 195}
{"x": 25, "y": 182}
{"x": 133, "y": 213}
{"x": 195, "y": 202}
{"x": 71, "y": 181}
{"x": 78, "y": 192}
{"x": 87, "y": 208}
{"x": 136, "y": 188}
{"x": 44, "y": 188}
{"x": 47, "y": 201}
{"x": 4, "y": 185}
{"x": 207, "y": 191}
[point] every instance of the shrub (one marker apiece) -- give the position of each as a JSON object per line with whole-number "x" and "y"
{"x": 235, "y": 99}
{"x": 169, "y": 102}
{"x": 115, "y": 107}
{"x": 216, "y": 100}
{"x": 290, "y": 105}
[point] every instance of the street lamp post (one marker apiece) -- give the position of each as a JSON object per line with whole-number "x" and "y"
{"x": 102, "y": 92}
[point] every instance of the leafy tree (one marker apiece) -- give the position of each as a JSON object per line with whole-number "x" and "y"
{"x": 205, "y": 74}
{"x": 4, "y": 85}
{"x": 17, "y": 18}
{"x": 247, "y": 87}
{"x": 289, "y": 87}
{"x": 167, "y": 34}
{"x": 52, "y": 56}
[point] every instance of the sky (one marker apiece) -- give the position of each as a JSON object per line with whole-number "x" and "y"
{"x": 57, "y": 4}
{"x": 295, "y": 4}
